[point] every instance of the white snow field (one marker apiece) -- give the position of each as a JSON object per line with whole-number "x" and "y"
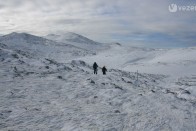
{"x": 49, "y": 85}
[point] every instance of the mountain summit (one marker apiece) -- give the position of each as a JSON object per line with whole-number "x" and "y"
{"x": 71, "y": 37}
{"x": 77, "y": 40}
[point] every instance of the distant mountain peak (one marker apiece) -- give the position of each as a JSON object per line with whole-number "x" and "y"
{"x": 68, "y": 35}
{"x": 21, "y": 35}
{"x": 77, "y": 40}
{"x": 18, "y": 33}
{"x": 71, "y": 37}
{"x": 19, "y": 38}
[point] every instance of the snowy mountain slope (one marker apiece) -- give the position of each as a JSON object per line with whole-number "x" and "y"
{"x": 68, "y": 97}
{"x": 47, "y": 85}
{"x": 72, "y": 37}
{"x": 175, "y": 62}
{"x": 42, "y": 48}
{"x": 78, "y": 40}
{"x": 159, "y": 61}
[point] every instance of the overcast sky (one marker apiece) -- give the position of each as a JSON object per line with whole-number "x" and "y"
{"x": 136, "y": 22}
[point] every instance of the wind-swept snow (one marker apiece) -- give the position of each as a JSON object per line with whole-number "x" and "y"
{"x": 41, "y": 47}
{"x": 47, "y": 85}
{"x": 174, "y": 62}
{"x": 69, "y": 97}
{"x": 78, "y": 41}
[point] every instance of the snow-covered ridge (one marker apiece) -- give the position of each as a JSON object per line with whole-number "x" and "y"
{"x": 42, "y": 47}
{"x": 71, "y": 37}
{"x": 50, "y": 85}
{"x": 78, "y": 40}
{"x": 23, "y": 37}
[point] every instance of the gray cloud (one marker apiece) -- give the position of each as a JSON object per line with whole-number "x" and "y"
{"x": 98, "y": 19}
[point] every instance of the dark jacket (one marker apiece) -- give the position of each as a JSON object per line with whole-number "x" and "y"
{"x": 95, "y": 65}
{"x": 104, "y": 70}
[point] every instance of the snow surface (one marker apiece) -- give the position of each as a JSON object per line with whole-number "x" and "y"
{"x": 78, "y": 40}
{"x": 174, "y": 62}
{"x": 47, "y": 85}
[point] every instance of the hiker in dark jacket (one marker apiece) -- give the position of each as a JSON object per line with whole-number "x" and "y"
{"x": 95, "y": 66}
{"x": 104, "y": 70}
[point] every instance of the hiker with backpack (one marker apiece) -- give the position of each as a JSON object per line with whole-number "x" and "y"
{"x": 95, "y": 66}
{"x": 104, "y": 70}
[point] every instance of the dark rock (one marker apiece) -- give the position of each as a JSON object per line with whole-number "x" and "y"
{"x": 117, "y": 87}
{"x": 21, "y": 62}
{"x": 92, "y": 82}
{"x": 129, "y": 82}
{"x": 186, "y": 92}
{"x": 60, "y": 77}
{"x": 15, "y": 56}
{"x": 52, "y": 61}
{"x": 15, "y": 69}
{"x": 67, "y": 68}
{"x": 168, "y": 91}
{"x": 28, "y": 73}
{"x": 117, "y": 111}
